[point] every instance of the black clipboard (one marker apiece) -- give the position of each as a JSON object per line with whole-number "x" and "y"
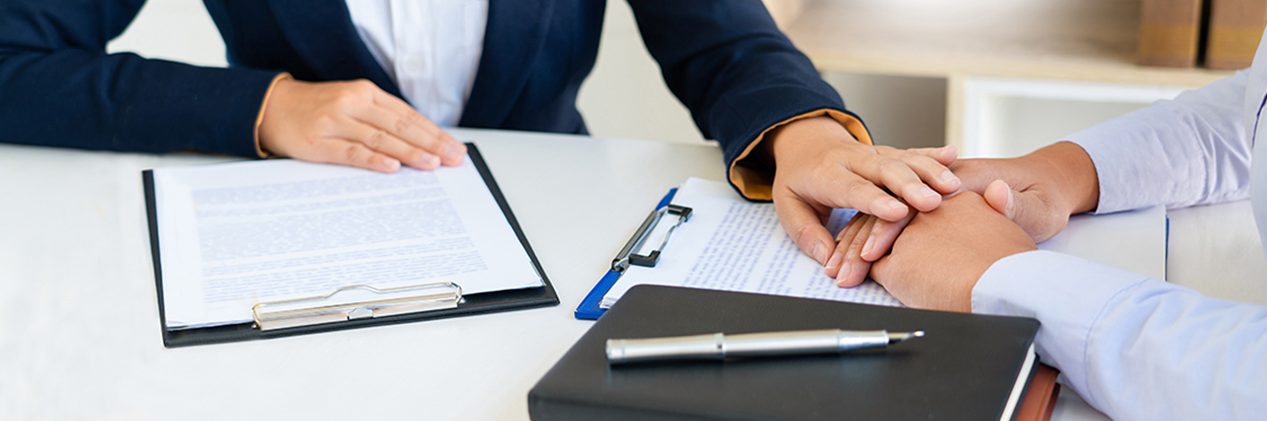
{"x": 471, "y": 304}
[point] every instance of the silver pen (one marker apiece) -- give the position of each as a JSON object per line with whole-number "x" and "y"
{"x": 719, "y": 346}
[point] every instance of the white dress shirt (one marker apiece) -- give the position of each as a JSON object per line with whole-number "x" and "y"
{"x": 1139, "y": 348}
{"x": 430, "y": 48}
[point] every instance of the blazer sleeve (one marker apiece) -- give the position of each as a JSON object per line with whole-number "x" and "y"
{"x": 58, "y": 87}
{"x": 739, "y": 76}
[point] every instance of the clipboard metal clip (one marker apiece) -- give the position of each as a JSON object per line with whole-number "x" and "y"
{"x": 354, "y": 302}
{"x": 629, "y": 253}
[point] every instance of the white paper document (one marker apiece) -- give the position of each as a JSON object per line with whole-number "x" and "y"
{"x": 233, "y": 235}
{"x": 735, "y": 245}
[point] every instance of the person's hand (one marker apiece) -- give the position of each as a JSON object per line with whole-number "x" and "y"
{"x": 940, "y": 255}
{"x": 1038, "y": 191}
{"x": 820, "y": 166}
{"x": 352, "y": 123}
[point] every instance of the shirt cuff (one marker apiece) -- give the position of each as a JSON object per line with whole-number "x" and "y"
{"x": 259, "y": 117}
{"x": 1134, "y": 167}
{"x": 1112, "y": 179}
{"x": 752, "y": 171}
{"x": 1066, "y": 294}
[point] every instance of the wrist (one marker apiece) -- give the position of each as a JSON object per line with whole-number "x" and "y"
{"x": 1069, "y": 168}
{"x": 985, "y": 264}
{"x": 271, "y": 113}
{"x": 808, "y": 135}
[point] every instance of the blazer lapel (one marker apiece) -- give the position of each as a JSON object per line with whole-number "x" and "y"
{"x": 323, "y": 35}
{"x": 512, "y": 39}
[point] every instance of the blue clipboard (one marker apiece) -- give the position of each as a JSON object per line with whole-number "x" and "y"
{"x": 590, "y": 308}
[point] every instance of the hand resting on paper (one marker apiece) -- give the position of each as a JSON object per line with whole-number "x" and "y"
{"x": 352, "y": 123}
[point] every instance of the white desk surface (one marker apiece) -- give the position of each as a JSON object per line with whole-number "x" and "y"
{"x": 79, "y": 327}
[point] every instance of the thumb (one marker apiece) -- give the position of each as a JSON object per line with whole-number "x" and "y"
{"x": 1029, "y": 209}
{"x": 1000, "y": 197}
{"x": 803, "y": 225}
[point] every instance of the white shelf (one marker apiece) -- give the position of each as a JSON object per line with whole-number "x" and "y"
{"x": 1004, "y": 117}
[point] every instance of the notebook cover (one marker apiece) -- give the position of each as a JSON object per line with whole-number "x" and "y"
{"x": 965, "y": 368}
{"x": 471, "y": 304}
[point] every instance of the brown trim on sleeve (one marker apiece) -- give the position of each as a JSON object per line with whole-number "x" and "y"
{"x": 754, "y": 183}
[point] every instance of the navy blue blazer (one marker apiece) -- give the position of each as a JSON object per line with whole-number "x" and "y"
{"x": 724, "y": 59}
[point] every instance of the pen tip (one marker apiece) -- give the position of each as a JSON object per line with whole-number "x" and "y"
{"x": 896, "y": 337}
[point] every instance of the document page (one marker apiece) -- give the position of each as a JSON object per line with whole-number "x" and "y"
{"x": 233, "y": 235}
{"x": 736, "y": 245}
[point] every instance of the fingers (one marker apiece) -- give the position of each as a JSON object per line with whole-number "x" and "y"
{"x": 352, "y": 123}
{"x": 868, "y": 198}
{"x": 841, "y": 188}
{"x": 930, "y": 164}
{"x": 397, "y": 117}
{"x": 853, "y": 270}
{"x": 802, "y": 224}
{"x": 383, "y": 142}
{"x": 851, "y": 230}
{"x": 944, "y": 155}
{"x": 355, "y": 154}
{"x": 899, "y": 178}
{"x": 977, "y": 174}
{"x": 407, "y": 130}
{"x": 934, "y": 173}
{"x": 881, "y": 238}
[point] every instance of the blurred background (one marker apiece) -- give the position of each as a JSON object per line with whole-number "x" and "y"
{"x": 994, "y": 77}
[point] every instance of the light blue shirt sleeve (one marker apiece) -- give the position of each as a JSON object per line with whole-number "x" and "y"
{"x": 1194, "y": 149}
{"x": 1135, "y": 347}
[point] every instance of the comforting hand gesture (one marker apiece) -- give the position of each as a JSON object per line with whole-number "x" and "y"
{"x": 820, "y": 166}
{"x": 353, "y": 123}
{"x": 1038, "y": 191}
{"x": 937, "y": 261}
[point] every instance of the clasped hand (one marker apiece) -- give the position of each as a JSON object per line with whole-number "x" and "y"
{"x": 819, "y": 166}
{"x": 934, "y": 259}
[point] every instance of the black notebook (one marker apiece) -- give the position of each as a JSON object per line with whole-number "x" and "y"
{"x": 970, "y": 367}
